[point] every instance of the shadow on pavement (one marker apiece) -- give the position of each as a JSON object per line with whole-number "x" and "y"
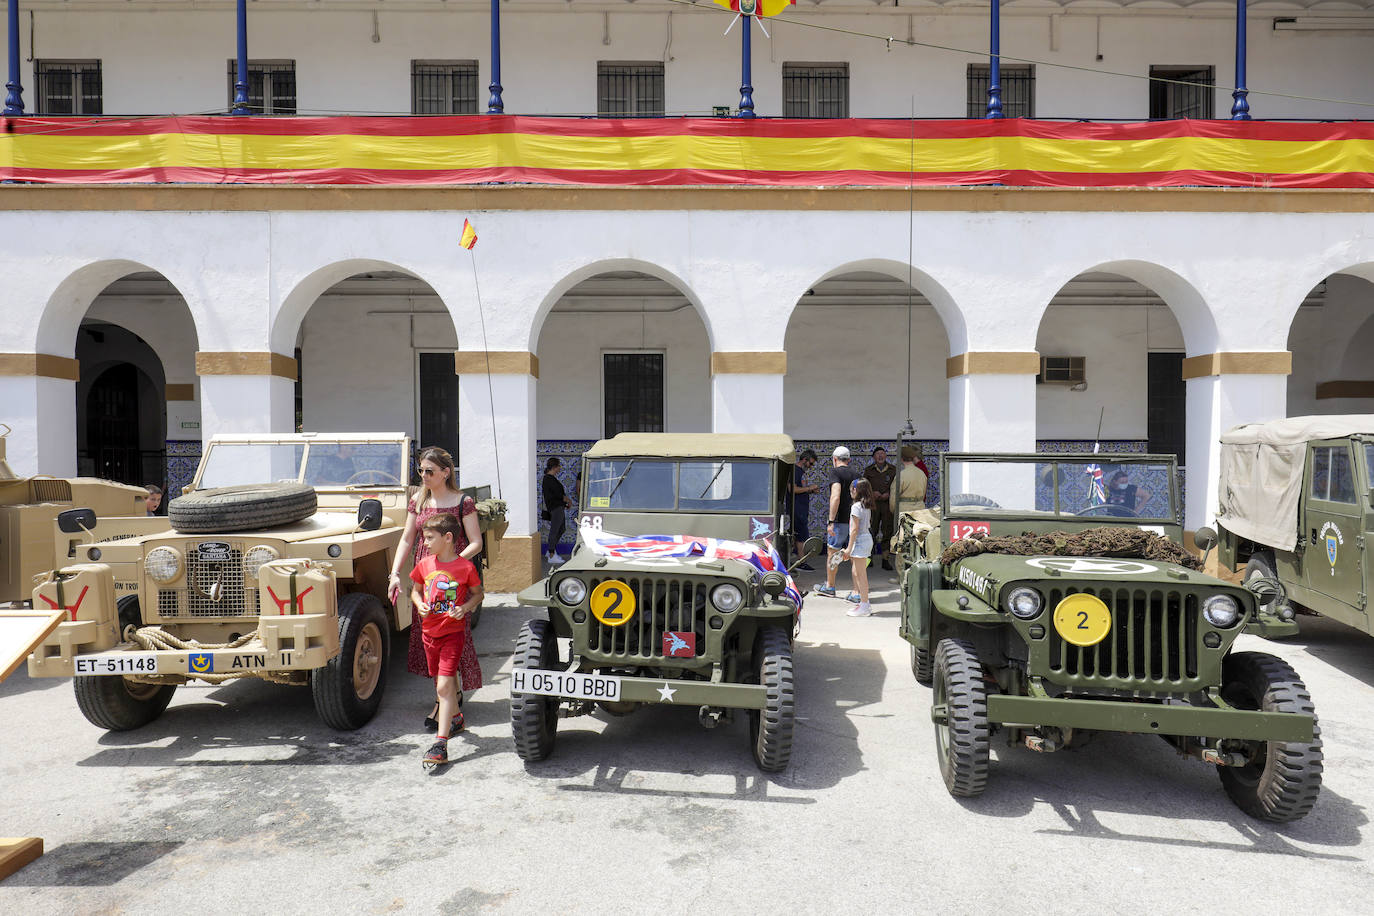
{"x": 89, "y": 864}
{"x": 1348, "y": 650}
{"x": 1139, "y": 776}
{"x": 19, "y": 682}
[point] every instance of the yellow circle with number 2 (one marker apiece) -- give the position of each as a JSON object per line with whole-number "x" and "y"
{"x": 1083, "y": 620}
{"x": 613, "y": 602}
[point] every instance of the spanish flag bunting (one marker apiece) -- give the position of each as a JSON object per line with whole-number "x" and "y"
{"x": 469, "y": 237}
{"x": 756, "y": 7}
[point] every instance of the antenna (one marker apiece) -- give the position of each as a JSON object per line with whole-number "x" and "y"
{"x": 491, "y": 395}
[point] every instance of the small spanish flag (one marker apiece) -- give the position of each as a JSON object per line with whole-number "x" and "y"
{"x": 469, "y": 238}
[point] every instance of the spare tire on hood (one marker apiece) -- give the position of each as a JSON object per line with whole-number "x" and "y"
{"x": 262, "y": 505}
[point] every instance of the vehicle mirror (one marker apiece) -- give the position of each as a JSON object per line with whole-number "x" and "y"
{"x": 812, "y": 547}
{"x": 369, "y": 514}
{"x": 1205, "y": 538}
{"x": 76, "y": 521}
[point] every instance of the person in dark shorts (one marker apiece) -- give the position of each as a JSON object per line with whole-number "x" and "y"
{"x": 837, "y": 520}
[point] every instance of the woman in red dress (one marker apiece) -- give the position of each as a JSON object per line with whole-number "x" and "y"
{"x": 438, "y": 493}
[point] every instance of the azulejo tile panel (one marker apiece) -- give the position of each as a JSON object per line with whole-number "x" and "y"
{"x": 183, "y": 456}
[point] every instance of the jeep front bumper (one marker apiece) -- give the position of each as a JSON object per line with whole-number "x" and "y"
{"x": 1144, "y": 718}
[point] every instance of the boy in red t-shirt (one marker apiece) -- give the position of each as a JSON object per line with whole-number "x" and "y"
{"x": 446, "y": 590}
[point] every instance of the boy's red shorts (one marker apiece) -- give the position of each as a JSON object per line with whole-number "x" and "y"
{"x": 443, "y": 653}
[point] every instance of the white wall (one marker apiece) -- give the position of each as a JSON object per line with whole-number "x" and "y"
{"x": 160, "y": 61}
{"x": 571, "y": 345}
{"x": 1116, "y": 341}
{"x": 846, "y": 372}
{"x": 341, "y": 343}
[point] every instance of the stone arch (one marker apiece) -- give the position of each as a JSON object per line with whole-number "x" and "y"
{"x": 72, "y": 298}
{"x": 939, "y": 297}
{"x": 611, "y": 265}
{"x": 1191, "y": 311}
{"x": 306, "y": 291}
{"x": 1330, "y": 342}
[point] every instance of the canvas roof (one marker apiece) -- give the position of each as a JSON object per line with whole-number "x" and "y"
{"x": 696, "y": 445}
{"x": 1262, "y": 471}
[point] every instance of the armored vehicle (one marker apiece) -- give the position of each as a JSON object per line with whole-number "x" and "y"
{"x": 674, "y": 593}
{"x": 283, "y": 581}
{"x": 1297, "y": 509}
{"x": 1065, "y": 604}
{"x": 28, "y": 506}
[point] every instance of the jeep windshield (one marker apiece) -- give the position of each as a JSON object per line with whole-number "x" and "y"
{"x": 665, "y": 485}
{"x": 1083, "y": 487}
{"x": 320, "y": 464}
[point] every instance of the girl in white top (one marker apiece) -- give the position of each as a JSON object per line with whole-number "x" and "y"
{"x": 860, "y": 543}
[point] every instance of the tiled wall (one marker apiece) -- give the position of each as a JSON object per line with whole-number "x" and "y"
{"x": 183, "y": 456}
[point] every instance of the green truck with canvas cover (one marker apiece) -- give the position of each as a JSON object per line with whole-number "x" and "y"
{"x": 1055, "y": 599}
{"x": 283, "y": 581}
{"x": 1296, "y": 512}
{"x": 646, "y": 624}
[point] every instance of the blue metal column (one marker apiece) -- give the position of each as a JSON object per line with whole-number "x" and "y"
{"x": 494, "y": 104}
{"x": 1240, "y": 109}
{"x": 995, "y": 63}
{"x": 746, "y": 74}
{"x": 240, "y": 106}
{"x": 14, "y": 95}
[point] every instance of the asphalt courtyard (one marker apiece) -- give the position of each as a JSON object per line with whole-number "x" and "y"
{"x": 238, "y": 800}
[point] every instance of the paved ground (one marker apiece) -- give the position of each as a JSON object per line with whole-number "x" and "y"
{"x": 238, "y": 800}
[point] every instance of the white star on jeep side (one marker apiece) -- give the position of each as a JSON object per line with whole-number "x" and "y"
{"x": 665, "y": 693}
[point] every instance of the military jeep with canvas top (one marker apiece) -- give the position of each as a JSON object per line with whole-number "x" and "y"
{"x": 1297, "y": 512}
{"x": 283, "y": 581}
{"x": 674, "y": 592}
{"x": 1065, "y": 604}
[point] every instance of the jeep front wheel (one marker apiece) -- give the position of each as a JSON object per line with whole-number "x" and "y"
{"x": 120, "y": 705}
{"x": 770, "y": 728}
{"x": 348, "y": 689}
{"x": 922, "y": 666}
{"x": 1283, "y": 778}
{"x": 959, "y": 710}
{"x": 533, "y": 717}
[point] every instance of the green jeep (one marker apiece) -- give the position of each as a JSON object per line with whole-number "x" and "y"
{"x": 674, "y": 592}
{"x": 1064, "y": 603}
{"x": 1297, "y": 509}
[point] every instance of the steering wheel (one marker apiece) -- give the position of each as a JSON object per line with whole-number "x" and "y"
{"x": 384, "y": 476}
{"x": 1112, "y": 509}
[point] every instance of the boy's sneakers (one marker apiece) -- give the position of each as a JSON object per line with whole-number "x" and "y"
{"x": 853, "y": 598}
{"x": 827, "y": 590}
{"x": 863, "y": 609}
{"x": 458, "y": 723}
{"x": 438, "y": 752}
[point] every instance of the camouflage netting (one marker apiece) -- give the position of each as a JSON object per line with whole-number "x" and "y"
{"x": 1106, "y": 541}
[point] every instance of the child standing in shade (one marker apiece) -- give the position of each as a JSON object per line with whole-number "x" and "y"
{"x": 446, "y": 589}
{"x": 860, "y": 544}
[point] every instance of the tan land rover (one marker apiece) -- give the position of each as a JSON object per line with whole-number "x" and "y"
{"x": 283, "y": 581}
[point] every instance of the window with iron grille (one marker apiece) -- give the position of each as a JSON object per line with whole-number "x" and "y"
{"x": 815, "y": 90}
{"x": 271, "y": 86}
{"x": 438, "y": 396}
{"x": 1191, "y": 97}
{"x": 1017, "y": 82}
{"x": 632, "y": 392}
{"x": 68, "y": 87}
{"x": 1166, "y": 405}
{"x": 629, "y": 89}
{"x": 443, "y": 87}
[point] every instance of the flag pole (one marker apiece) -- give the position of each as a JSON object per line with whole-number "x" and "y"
{"x": 491, "y": 394}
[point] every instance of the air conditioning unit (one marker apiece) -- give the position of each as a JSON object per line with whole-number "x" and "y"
{"x": 1062, "y": 370}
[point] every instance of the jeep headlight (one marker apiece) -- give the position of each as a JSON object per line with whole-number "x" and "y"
{"x": 1221, "y": 611}
{"x": 727, "y": 597}
{"x": 162, "y": 564}
{"x": 256, "y": 556}
{"x": 1024, "y": 602}
{"x": 572, "y": 590}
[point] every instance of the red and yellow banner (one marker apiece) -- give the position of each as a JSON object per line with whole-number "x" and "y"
{"x": 688, "y": 151}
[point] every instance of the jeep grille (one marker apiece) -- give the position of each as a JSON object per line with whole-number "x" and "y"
{"x": 190, "y": 601}
{"x": 661, "y": 605}
{"x": 1153, "y": 643}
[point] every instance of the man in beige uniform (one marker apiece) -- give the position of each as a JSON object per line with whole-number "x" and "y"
{"x": 910, "y": 492}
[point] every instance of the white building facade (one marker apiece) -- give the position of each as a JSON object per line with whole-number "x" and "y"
{"x": 141, "y": 319}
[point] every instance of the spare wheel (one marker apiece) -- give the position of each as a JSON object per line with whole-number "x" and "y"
{"x": 262, "y": 505}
